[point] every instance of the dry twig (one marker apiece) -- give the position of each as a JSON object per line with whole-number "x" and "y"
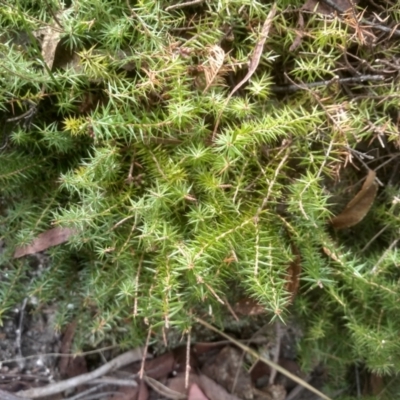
{"x": 182, "y": 5}
{"x": 270, "y": 363}
{"x": 296, "y": 87}
{"x": 59, "y": 387}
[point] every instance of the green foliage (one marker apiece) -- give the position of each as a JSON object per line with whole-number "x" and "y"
{"x": 170, "y": 221}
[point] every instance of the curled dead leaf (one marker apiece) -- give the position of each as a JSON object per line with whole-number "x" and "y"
{"x": 359, "y": 206}
{"x": 214, "y": 63}
{"x": 50, "y": 238}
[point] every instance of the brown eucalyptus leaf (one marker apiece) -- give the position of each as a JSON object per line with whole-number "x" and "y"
{"x": 359, "y": 206}
{"x": 50, "y": 238}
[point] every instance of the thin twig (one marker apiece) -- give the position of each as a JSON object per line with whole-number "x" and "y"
{"x": 146, "y": 347}
{"x": 124, "y": 359}
{"x": 375, "y": 269}
{"x": 85, "y": 353}
{"x": 21, "y": 361}
{"x": 360, "y": 153}
{"x": 85, "y": 393}
{"x": 392, "y": 157}
{"x": 182, "y": 5}
{"x": 270, "y": 363}
{"x": 374, "y": 237}
{"x": 277, "y": 351}
{"x": 187, "y": 367}
{"x": 57, "y": 21}
{"x": 110, "y": 380}
{"x": 230, "y": 309}
{"x": 359, "y": 157}
{"x": 165, "y": 391}
{"x": 135, "y": 307}
{"x": 27, "y": 114}
{"x": 296, "y": 87}
{"x": 297, "y": 390}
{"x": 393, "y": 31}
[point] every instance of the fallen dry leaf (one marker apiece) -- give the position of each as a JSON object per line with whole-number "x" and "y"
{"x": 143, "y": 392}
{"x": 322, "y": 8}
{"x": 50, "y": 238}
{"x": 214, "y": 391}
{"x": 49, "y": 37}
{"x": 163, "y": 390}
{"x": 195, "y": 393}
{"x": 129, "y": 393}
{"x": 358, "y": 208}
{"x": 49, "y": 45}
{"x": 161, "y": 366}
{"x": 215, "y": 60}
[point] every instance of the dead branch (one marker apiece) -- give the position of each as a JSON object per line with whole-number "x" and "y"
{"x": 305, "y": 86}
{"x": 58, "y": 387}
